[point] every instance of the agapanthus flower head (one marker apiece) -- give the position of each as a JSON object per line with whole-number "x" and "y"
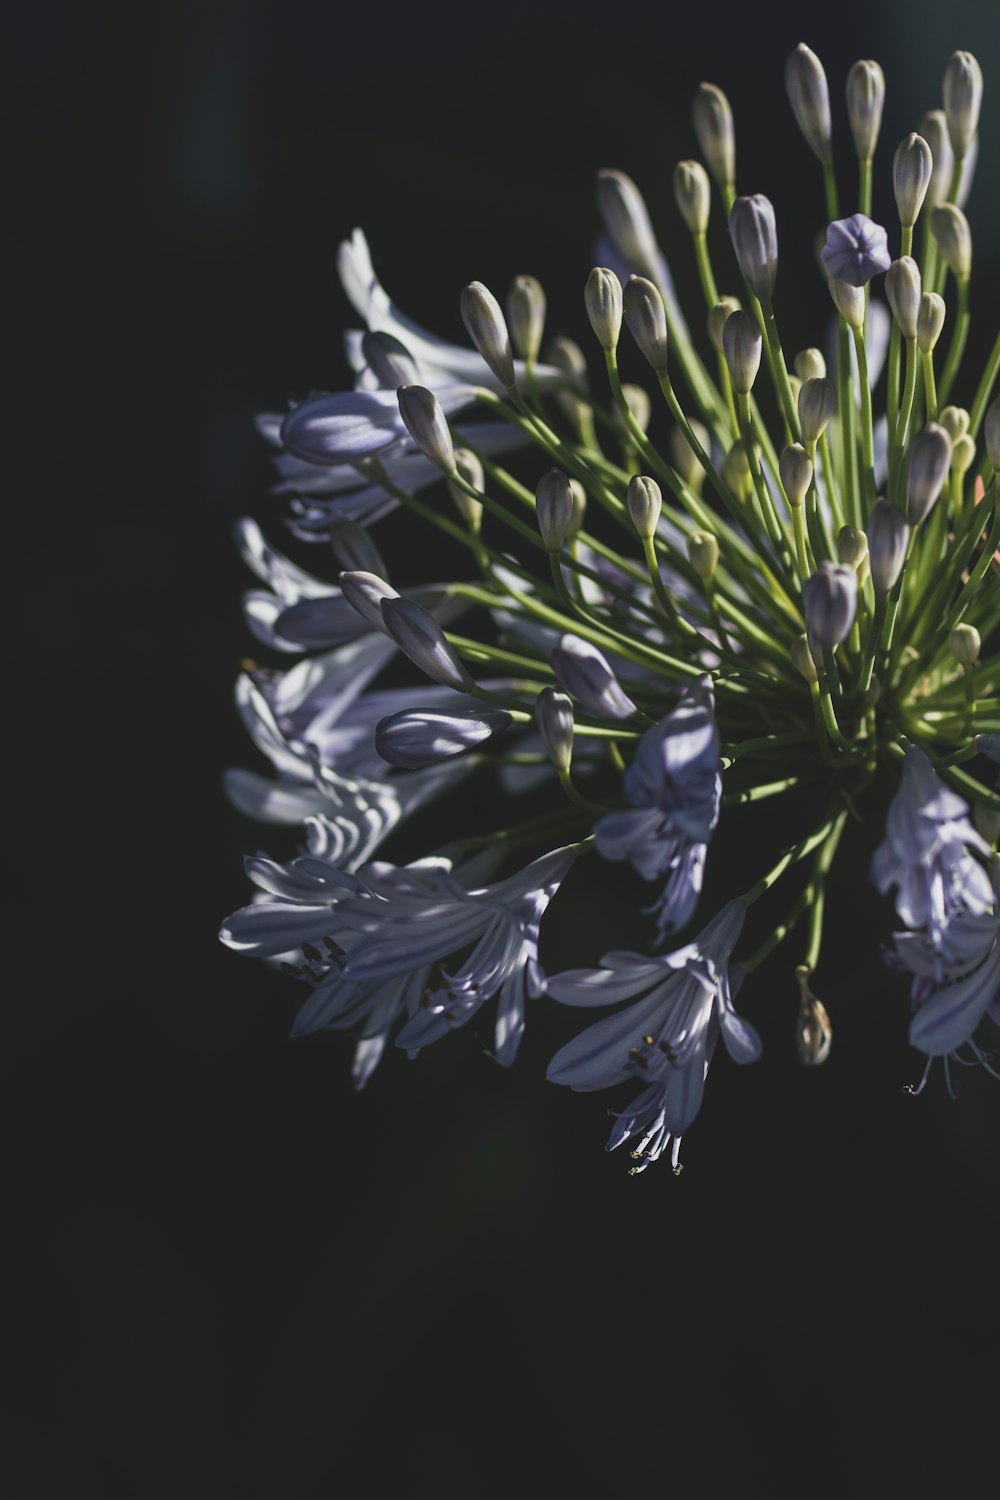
{"x": 856, "y": 249}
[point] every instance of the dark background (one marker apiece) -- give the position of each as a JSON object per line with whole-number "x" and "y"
{"x": 230, "y": 1274}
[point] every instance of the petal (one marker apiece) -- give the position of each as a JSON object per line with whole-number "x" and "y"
{"x": 946, "y": 1021}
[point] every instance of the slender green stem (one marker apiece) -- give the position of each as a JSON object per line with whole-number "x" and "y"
{"x": 867, "y": 435}
{"x": 781, "y": 373}
{"x": 958, "y": 341}
{"x": 821, "y": 870}
{"x": 930, "y": 388}
{"x": 898, "y": 445}
{"x": 789, "y": 857}
{"x": 985, "y": 388}
{"x": 779, "y": 932}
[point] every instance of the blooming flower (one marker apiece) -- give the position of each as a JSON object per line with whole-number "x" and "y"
{"x": 666, "y": 1038}
{"x": 856, "y": 249}
{"x": 674, "y": 786}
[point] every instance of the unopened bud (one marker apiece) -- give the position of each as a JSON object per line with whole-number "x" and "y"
{"x": 934, "y": 129}
{"x": 809, "y": 96}
{"x": 962, "y": 96}
{"x": 817, "y": 407}
{"x": 566, "y": 355}
{"x": 849, "y": 302}
{"x": 813, "y": 1031}
{"x": 579, "y": 510}
{"x": 554, "y": 717}
{"x": 354, "y": 548}
{"x": 487, "y": 328}
{"x": 646, "y": 320}
{"x": 987, "y": 821}
{"x": 888, "y": 537}
{"x": 963, "y": 454}
{"x": 554, "y": 508}
{"x": 703, "y": 553}
{"x": 526, "y": 316}
{"x": 954, "y": 420}
{"x": 865, "y": 98}
{"x": 930, "y": 321}
{"x": 390, "y": 361}
{"x": 742, "y": 344}
{"x": 991, "y": 432}
{"x": 467, "y": 465}
{"x": 795, "y": 468}
{"x": 713, "y": 125}
{"x": 419, "y": 636}
{"x": 754, "y": 234}
{"x": 684, "y": 458}
{"x": 988, "y": 745}
{"x": 903, "y": 290}
{"x": 930, "y": 458}
{"x": 645, "y": 501}
{"x": 603, "y": 299}
{"x": 965, "y": 644}
{"x": 802, "y": 659}
{"x": 693, "y": 195}
{"x": 427, "y": 425}
{"x": 717, "y": 317}
{"x": 736, "y": 471}
{"x": 585, "y": 672}
{"x": 638, "y": 402}
{"x": 366, "y": 593}
{"x": 829, "y": 598}
{"x": 810, "y": 364}
{"x": 626, "y": 221}
{"x": 912, "y": 167}
{"x": 414, "y": 738}
{"x": 950, "y": 228}
{"x": 852, "y": 547}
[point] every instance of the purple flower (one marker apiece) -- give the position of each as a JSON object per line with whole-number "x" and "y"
{"x": 925, "y": 854}
{"x": 666, "y": 1038}
{"x": 674, "y": 785}
{"x": 856, "y": 249}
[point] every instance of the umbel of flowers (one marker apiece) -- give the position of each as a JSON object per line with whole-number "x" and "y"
{"x": 790, "y": 591}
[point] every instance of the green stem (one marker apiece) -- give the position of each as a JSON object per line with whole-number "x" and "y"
{"x": 789, "y": 857}
{"x": 821, "y": 870}
{"x": 982, "y": 396}
{"x": 867, "y": 437}
{"x": 958, "y": 341}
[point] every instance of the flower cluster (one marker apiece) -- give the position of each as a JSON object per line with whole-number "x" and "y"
{"x": 740, "y": 582}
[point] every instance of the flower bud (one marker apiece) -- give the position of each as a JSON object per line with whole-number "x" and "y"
{"x": 817, "y": 407}
{"x": 963, "y": 454}
{"x": 415, "y": 738}
{"x": 754, "y": 234}
{"x": 902, "y": 288}
{"x": 554, "y": 717}
{"x": 717, "y": 316}
{"x": 554, "y": 508}
{"x": 646, "y": 320}
{"x": 354, "y": 548}
{"x": 912, "y": 166}
{"x": 865, "y": 98}
{"x": 813, "y": 1031}
{"x": 934, "y": 129}
{"x": 645, "y": 501}
{"x": 736, "y": 471}
{"x": 888, "y": 537}
{"x": 427, "y": 425}
{"x": 795, "y": 469}
{"x": 487, "y": 328}
{"x": 742, "y": 344}
{"x": 366, "y": 592}
{"x": 988, "y": 745}
{"x": 829, "y": 598}
{"x": 987, "y": 821}
{"x": 852, "y": 548}
{"x": 638, "y": 402}
{"x": 950, "y": 228}
{"x": 965, "y": 644}
{"x": 603, "y": 299}
{"x": 684, "y": 458}
{"x": 962, "y": 96}
{"x": 626, "y": 221}
{"x": 713, "y": 125}
{"x": 849, "y": 302}
{"x": 471, "y": 470}
{"x": 930, "y": 321}
{"x": 810, "y": 364}
{"x": 390, "y": 361}
{"x": 566, "y": 355}
{"x": 585, "y": 672}
{"x": 809, "y": 96}
{"x": 856, "y": 249}
{"x": 579, "y": 510}
{"x": 703, "y": 553}
{"x": 954, "y": 420}
{"x": 930, "y": 458}
{"x": 991, "y": 432}
{"x": 526, "y": 316}
{"x": 419, "y": 636}
{"x": 802, "y": 658}
{"x": 693, "y": 195}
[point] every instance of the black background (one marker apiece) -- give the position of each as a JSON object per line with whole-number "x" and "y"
{"x": 231, "y": 1276}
